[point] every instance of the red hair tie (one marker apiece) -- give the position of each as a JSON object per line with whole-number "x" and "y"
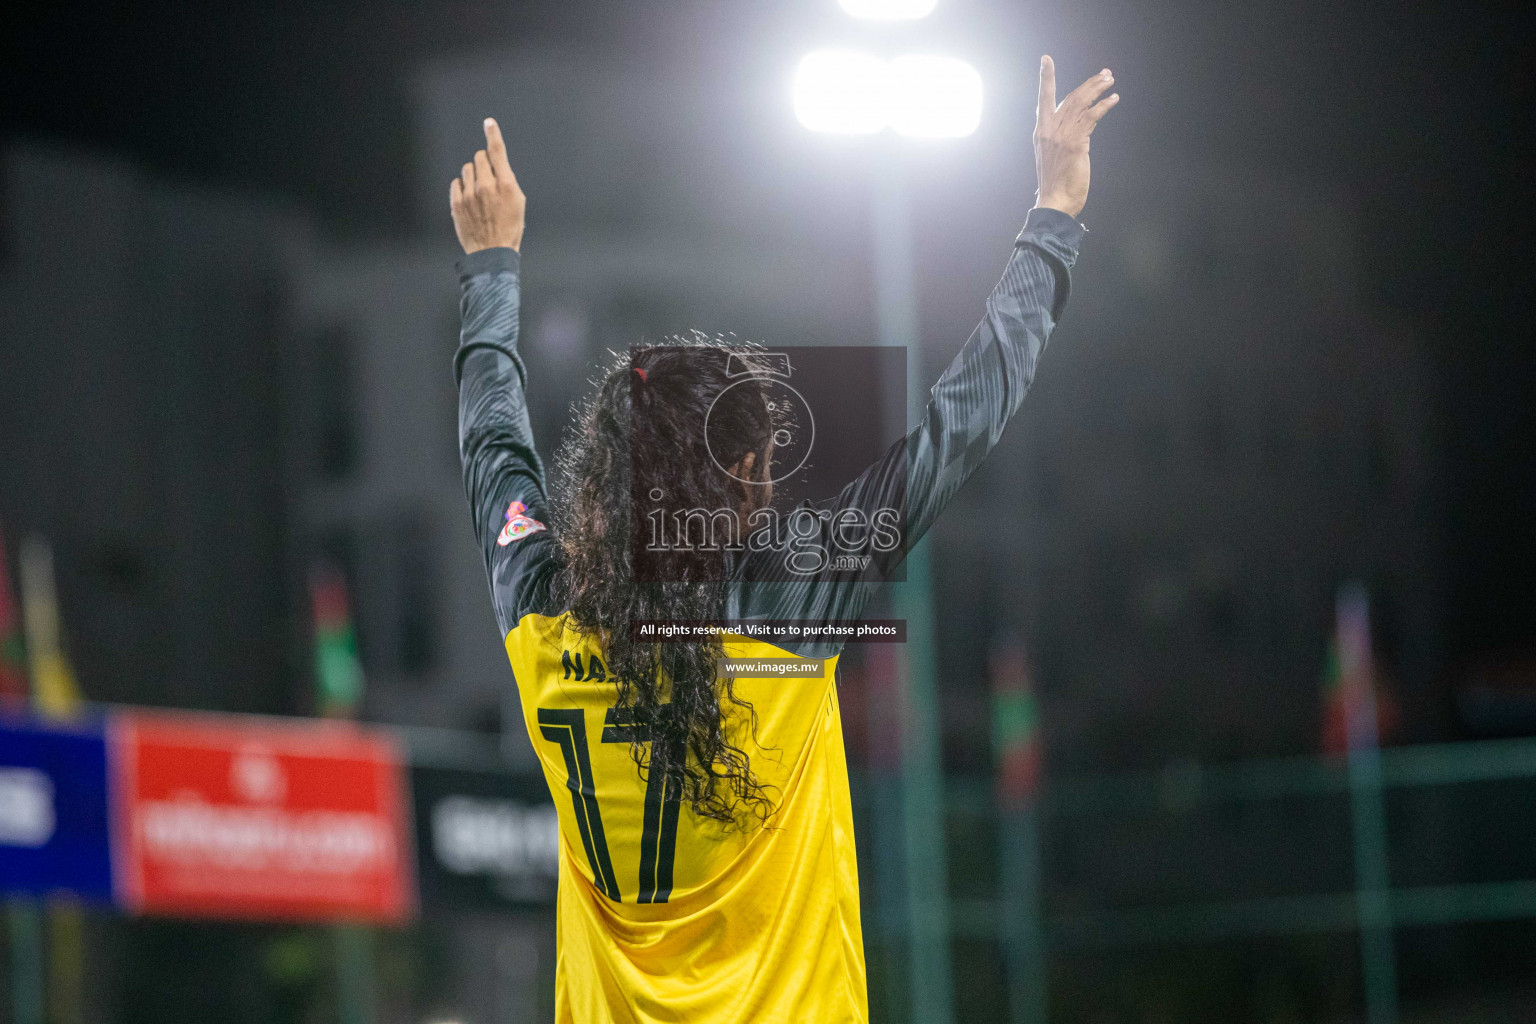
{"x": 641, "y": 373}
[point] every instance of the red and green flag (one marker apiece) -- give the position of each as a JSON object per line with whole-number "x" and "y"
{"x": 338, "y": 671}
{"x": 13, "y": 649}
{"x": 1335, "y": 704}
{"x": 1357, "y": 711}
{"x": 1015, "y": 726}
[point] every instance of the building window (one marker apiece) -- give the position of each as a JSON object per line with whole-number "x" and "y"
{"x": 1379, "y": 470}
{"x": 416, "y": 640}
{"x": 1047, "y": 483}
{"x": 337, "y": 445}
{"x": 1214, "y": 435}
{"x": 1275, "y": 455}
{"x": 1155, "y": 445}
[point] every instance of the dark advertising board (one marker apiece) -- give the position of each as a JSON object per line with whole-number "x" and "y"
{"x": 484, "y": 839}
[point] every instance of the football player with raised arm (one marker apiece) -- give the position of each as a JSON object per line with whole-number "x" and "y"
{"x": 707, "y": 863}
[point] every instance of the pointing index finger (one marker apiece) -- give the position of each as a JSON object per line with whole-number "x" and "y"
{"x": 1047, "y": 89}
{"x": 497, "y": 150}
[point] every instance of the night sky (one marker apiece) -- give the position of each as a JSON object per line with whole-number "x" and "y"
{"x": 1423, "y": 112}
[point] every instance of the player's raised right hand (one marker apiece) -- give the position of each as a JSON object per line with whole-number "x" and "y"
{"x": 488, "y": 205}
{"x": 1061, "y": 137}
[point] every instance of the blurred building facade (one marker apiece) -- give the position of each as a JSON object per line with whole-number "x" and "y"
{"x": 141, "y": 424}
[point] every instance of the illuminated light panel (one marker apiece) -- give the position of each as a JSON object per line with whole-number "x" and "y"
{"x": 841, "y": 92}
{"x": 889, "y": 10}
{"x": 848, "y": 93}
{"x": 933, "y": 97}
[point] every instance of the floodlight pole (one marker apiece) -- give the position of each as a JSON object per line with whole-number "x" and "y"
{"x": 356, "y": 999}
{"x": 922, "y": 783}
{"x": 1367, "y": 805}
{"x": 26, "y": 935}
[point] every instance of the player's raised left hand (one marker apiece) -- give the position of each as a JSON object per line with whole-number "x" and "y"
{"x": 1061, "y": 137}
{"x": 488, "y": 205}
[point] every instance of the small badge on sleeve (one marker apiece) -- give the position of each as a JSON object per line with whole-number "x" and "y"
{"x": 519, "y": 524}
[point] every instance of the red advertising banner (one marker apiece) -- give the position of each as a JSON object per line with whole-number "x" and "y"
{"x": 255, "y": 818}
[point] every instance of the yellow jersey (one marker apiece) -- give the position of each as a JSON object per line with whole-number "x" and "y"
{"x": 664, "y": 916}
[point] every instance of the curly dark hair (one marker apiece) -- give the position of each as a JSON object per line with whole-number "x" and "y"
{"x": 641, "y": 448}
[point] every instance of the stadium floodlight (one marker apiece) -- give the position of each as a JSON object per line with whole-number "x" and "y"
{"x": 889, "y": 10}
{"x": 841, "y": 92}
{"x": 847, "y": 93}
{"x": 933, "y": 97}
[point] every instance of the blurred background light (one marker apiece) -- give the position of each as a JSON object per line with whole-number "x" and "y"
{"x": 933, "y": 97}
{"x": 841, "y": 92}
{"x": 889, "y": 10}
{"x": 923, "y": 96}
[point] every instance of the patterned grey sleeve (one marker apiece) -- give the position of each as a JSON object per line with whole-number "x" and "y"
{"x": 967, "y": 410}
{"x": 985, "y": 384}
{"x": 503, "y": 477}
